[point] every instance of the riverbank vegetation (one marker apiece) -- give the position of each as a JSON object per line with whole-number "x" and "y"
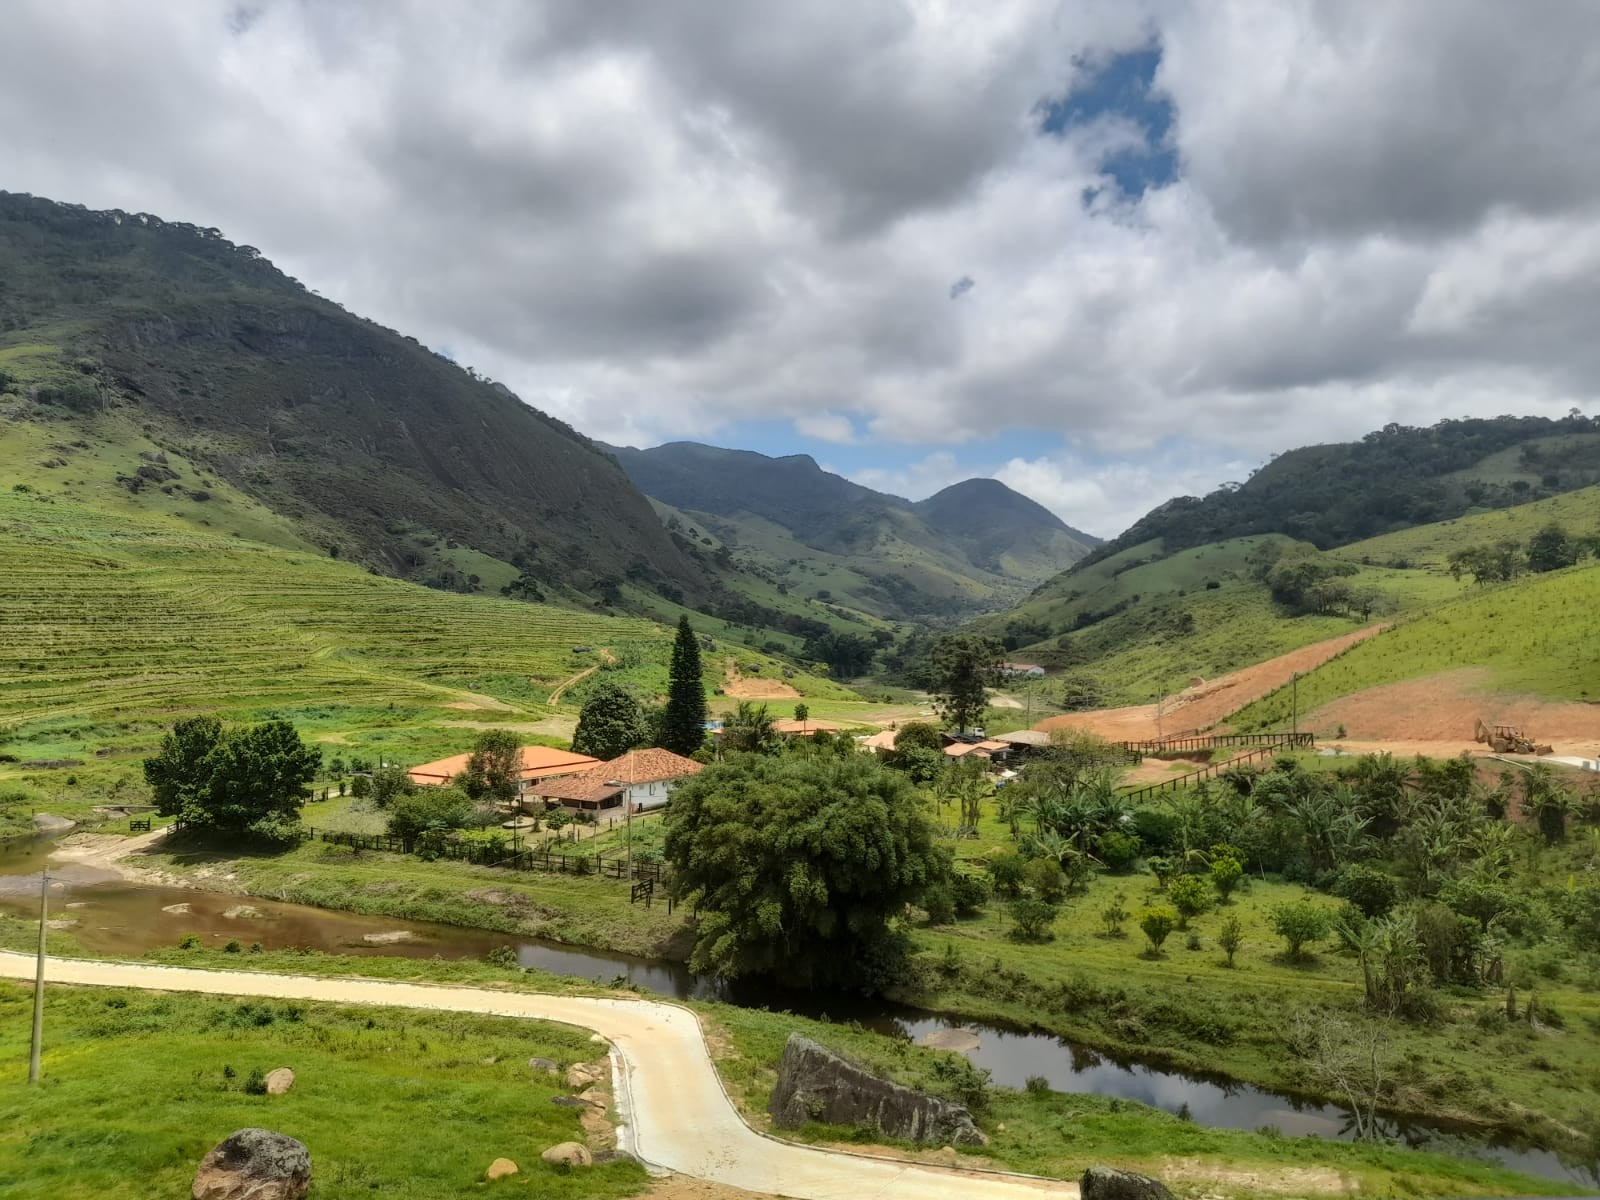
{"x": 402, "y": 1103}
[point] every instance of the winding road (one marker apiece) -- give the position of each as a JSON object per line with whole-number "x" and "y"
{"x": 672, "y": 1110}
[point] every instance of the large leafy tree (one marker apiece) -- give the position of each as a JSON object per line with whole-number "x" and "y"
{"x": 494, "y": 768}
{"x": 683, "y": 722}
{"x": 750, "y": 729}
{"x": 249, "y": 778}
{"x": 610, "y": 723}
{"x": 799, "y": 867}
{"x": 965, "y": 667}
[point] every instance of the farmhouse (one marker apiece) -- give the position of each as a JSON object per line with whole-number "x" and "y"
{"x": 793, "y": 728}
{"x": 985, "y": 749}
{"x": 640, "y": 779}
{"x": 1015, "y": 670}
{"x": 539, "y": 763}
{"x": 881, "y": 742}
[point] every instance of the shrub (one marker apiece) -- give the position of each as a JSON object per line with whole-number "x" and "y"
{"x": 1226, "y": 872}
{"x": 1190, "y": 895}
{"x": 1114, "y": 915}
{"x": 360, "y": 787}
{"x": 1231, "y": 936}
{"x": 389, "y": 783}
{"x": 1193, "y": 941}
{"x": 1006, "y": 870}
{"x": 189, "y": 941}
{"x": 1032, "y": 919}
{"x": 1118, "y": 851}
{"x": 428, "y": 810}
{"x": 939, "y": 903}
{"x": 1162, "y": 867}
{"x": 256, "y": 1083}
{"x": 234, "y": 946}
{"x": 1046, "y": 878}
{"x": 1298, "y": 923}
{"x": 1158, "y": 924}
{"x": 1369, "y": 889}
{"x": 969, "y": 892}
{"x": 1037, "y": 1085}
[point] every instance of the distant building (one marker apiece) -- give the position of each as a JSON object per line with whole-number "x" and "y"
{"x": 881, "y": 742}
{"x": 539, "y": 763}
{"x": 1012, "y": 670}
{"x": 988, "y": 748}
{"x": 792, "y": 728}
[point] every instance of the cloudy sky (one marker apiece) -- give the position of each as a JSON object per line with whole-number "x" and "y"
{"x": 1105, "y": 251}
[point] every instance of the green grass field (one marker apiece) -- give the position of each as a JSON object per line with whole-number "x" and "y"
{"x": 352, "y": 1090}
{"x": 1539, "y": 634}
{"x": 139, "y": 1086}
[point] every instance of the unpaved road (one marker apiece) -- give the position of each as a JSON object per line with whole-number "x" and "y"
{"x": 672, "y": 1111}
{"x": 1202, "y": 706}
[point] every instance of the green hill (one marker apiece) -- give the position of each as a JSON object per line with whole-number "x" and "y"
{"x": 1432, "y": 545}
{"x": 121, "y": 333}
{"x": 1392, "y": 479}
{"x": 117, "y": 622}
{"x": 977, "y": 545}
{"x": 1539, "y": 635}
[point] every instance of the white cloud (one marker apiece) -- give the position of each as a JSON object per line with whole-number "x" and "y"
{"x": 917, "y": 480}
{"x": 657, "y": 220}
{"x": 827, "y": 427}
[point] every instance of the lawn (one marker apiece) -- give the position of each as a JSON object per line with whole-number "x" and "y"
{"x": 392, "y": 1102}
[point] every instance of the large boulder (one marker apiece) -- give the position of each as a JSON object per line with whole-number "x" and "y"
{"x": 279, "y": 1081}
{"x": 1107, "y": 1183}
{"x": 52, "y": 825}
{"x": 815, "y": 1084}
{"x": 568, "y": 1154}
{"x": 254, "y": 1164}
{"x": 500, "y": 1168}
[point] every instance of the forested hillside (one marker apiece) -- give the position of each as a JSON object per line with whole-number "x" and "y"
{"x": 1391, "y": 479}
{"x": 119, "y": 327}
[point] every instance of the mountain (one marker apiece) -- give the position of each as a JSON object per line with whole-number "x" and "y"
{"x": 975, "y": 546}
{"x": 162, "y": 360}
{"x": 1392, "y": 479}
{"x": 1002, "y": 530}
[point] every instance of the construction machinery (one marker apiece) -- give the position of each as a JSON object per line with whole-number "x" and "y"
{"x": 1503, "y": 739}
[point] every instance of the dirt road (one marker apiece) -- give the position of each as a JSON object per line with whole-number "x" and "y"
{"x": 671, "y": 1108}
{"x": 1204, "y": 705}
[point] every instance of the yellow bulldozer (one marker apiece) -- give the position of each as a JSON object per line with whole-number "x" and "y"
{"x": 1503, "y": 739}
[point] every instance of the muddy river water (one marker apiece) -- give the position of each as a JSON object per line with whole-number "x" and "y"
{"x": 108, "y": 915}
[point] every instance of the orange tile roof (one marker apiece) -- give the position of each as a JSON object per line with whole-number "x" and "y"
{"x": 789, "y": 725}
{"x": 580, "y": 789}
{"x": 884, "y": 740}
{"x": 962, "y": 749}
{"x": 648, "y": 766}
{"x": 538, "y": 762}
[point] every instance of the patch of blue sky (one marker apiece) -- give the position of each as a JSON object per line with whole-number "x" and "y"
{"x": 1123, "y": 86}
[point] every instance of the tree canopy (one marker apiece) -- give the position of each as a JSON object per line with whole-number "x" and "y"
{"x": 249, "y": 778}
{"x": 494, "y": 769}
{"x": 683, "y": 722}
{"x": 610, "y": 723}
{"x": 965, "y": 666}
{"x": 799, "y": 866}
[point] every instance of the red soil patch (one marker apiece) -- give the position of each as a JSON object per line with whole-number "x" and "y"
{"x": 742, "y": 688}
{"x": 1442, "y": 708}
{"x": 1197, "y": 708}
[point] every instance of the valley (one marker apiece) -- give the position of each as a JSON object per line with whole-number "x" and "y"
{"x": 206, "y": 515}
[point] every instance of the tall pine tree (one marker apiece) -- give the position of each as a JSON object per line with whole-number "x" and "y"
{"x": 683, "y": 723}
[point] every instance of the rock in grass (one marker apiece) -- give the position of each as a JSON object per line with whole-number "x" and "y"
{"x": 548, "y": 1065}
{"x": 279, "y": 1081}
{"x": 1107, "y": 1183}
{"x": 582, "y": 1075}
{"x": 49, "y": 823}
{"x": 500, "y": 1168}
{"x": 254, "y": 1164}
{"x": 568, "y": 1154}
{"x": 815, "y": 1084}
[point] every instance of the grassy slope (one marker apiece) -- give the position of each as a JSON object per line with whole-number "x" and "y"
{"x": 119, "y": 621}
{"x": 1540, "y": 634}
{"x": 1135, "y": 654}
{"x": 1431, "y": 545}
{"x": 402, "y": 1103}
{"x": 1054, "y": 1134}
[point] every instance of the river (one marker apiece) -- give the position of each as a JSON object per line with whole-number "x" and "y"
{"x": 107, "y": 915}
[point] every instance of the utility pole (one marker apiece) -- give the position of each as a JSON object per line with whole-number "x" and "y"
{"x": 38, "y": 981}
{"x": 1294, "y": 691}
{"x": 1161, "y": 702}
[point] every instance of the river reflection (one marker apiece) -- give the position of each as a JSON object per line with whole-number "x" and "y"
{"x": 108, "y": 916}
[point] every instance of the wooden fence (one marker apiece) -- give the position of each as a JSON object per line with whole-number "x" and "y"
{"x": 1182, "y": 781}
{"x": 1216, "y": 742}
